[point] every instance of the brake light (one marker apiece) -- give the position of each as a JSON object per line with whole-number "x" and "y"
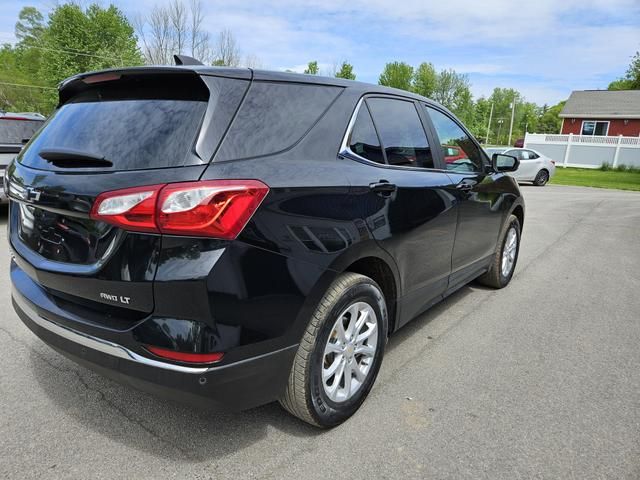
{"x": 212, "y": 208}
{"x": 101, "y": 77}
{"x": 185, "y": 357}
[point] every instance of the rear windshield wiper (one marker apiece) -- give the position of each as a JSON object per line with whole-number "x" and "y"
{"x": 68, "y": 158}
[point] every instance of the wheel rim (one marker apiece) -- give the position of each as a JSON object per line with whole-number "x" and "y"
{"x": 543, "y": 177}
{"x": 350, "y": 351}
{"x": 509, "y": 251}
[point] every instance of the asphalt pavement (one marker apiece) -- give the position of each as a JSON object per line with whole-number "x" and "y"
{"x": 540, "y": 380}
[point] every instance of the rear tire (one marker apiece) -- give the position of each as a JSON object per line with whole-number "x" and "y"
{"x": 541, "y": 178}
{"x": 504, "y": 261}
{"x": 315, "y": 393}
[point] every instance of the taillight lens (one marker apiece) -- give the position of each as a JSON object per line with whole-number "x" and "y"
{"x": 212, "y": 208}
{"x": 217, "y": 208}
{"x": 131, "y": 208}
{"x": 185, "y": 357}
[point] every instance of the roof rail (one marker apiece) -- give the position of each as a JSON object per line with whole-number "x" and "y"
{"x": 185, "y": 60}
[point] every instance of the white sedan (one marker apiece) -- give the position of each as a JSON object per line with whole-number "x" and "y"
{"x": 534, "y": 166}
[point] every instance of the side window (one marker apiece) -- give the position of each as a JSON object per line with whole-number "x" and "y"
{"x": 401, "y": 132}
{"x": 532, "y": 155}
{"x": 273, "y": 117}
{"x": 519, "y": 154}
{"x": 363, "y": 140}
{"x": 468, "y": 158}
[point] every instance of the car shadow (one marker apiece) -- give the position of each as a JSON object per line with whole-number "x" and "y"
{"x": 419, "y": 324}
{"x": 153, "y": 425}
{"x": 170, "y": 430}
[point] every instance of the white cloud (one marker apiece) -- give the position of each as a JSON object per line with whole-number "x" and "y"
{"x": 545, "y": 48}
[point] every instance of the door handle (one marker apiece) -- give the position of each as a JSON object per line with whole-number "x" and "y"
{"x": 464, "y": 187}
{"x": 383, "y": 187}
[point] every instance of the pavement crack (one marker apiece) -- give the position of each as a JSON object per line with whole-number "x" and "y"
{"x": 101, "y": 395}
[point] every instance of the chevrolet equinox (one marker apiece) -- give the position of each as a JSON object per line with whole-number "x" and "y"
{"x": 230, "y": 237}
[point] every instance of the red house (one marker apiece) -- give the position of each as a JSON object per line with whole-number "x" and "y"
{"x": 602, "y": 112}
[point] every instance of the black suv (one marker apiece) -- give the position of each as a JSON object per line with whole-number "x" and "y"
{"x": 231, "y": 237}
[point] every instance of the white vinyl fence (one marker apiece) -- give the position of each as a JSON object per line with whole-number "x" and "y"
{"x": 586, "y": 151}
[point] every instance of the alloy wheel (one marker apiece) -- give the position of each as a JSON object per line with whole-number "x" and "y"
{"x": 350, "y": 352}
{"x": 509, "y": 251}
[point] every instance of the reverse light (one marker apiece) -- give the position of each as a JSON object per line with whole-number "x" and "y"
{"x": 185, "y": 357}
{"x": 131, "y": 208}
{"x": 212, "y": 208}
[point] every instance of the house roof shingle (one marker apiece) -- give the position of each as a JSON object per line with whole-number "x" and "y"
{"x": 603, "y": 104}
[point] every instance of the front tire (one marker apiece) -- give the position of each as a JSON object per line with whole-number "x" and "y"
{"x": 340, "y": 353}
{"x": 541, "y": 178}
{"x": 504, "y": 261}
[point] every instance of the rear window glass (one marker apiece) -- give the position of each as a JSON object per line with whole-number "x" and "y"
{"x": 273, "y": 117}
{"x": 14, "y": 132}
{"x": 136, "y": 121}
{"x": 131, "y": 134}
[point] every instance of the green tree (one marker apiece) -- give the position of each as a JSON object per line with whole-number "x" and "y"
{"x": 397, "y": 75}
{"x": 450, "y": 89}
{"x": 631, "y": 80}
{"x": 346, "y": 71}
{"x": 502, "y": 99}
{"x": 549, "y": 121}
{"x": 425, "y": 80}
{"x": 30, "y": 26}
{"x": 77, "y": 40}
{"x": 312, "y": 68}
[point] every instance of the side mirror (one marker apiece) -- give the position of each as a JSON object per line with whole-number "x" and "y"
{"x": 504, "y": 163}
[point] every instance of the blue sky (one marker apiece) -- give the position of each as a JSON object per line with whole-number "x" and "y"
{"x": 543, "y": 48}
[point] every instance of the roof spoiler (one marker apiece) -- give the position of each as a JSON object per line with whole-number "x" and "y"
{"x": 185, "y": 60}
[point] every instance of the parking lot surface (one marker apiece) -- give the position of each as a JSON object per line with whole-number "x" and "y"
{"x": 538, "y": 380}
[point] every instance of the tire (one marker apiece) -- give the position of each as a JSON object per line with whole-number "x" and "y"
{"x": 541, "y": 178}
{"x": 306, "y": 395}
{"x": 495, "y": 276}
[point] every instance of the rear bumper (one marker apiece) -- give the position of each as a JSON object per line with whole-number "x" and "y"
{"x": 237, "y": 386}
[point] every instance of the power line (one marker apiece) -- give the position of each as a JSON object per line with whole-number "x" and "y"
{"x": 25, "y": 85}
{"x": 72, "y": 52}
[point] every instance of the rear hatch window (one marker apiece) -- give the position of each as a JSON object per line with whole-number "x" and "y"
{"x": 127, "y": 123}
{"x": 14, "y": 130}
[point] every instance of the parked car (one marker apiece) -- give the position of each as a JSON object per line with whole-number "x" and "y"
{"x": 231, "y": 237}
{"x": 519, "y": 143}
{"x": 15, "y": 130}
{"x": 453, "y": 153}
{"x": 534, "y": 166}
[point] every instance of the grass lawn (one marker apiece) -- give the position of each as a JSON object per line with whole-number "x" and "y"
{"x": 584, "y": 177}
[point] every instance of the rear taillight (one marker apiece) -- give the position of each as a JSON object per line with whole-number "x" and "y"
{"x": 131, "y": 208}
{"x": 212, "y": 208}
{"x": 185, "y": 357}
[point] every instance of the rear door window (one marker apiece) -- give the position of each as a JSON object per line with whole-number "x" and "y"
{"x": 363, "y": 140}
{"x": 401, "y": 132}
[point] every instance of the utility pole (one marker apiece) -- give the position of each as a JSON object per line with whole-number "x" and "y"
{"x": 513, "y": 110}
{"x": 500, "y": 122}
{"x": 489, "y": 125}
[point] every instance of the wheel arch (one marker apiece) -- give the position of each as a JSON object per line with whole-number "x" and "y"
{"x": 367, "y": 259}
{"x": 518, "y": 211}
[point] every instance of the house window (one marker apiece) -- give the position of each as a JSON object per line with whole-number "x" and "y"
{"x": 591, "y": 127}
